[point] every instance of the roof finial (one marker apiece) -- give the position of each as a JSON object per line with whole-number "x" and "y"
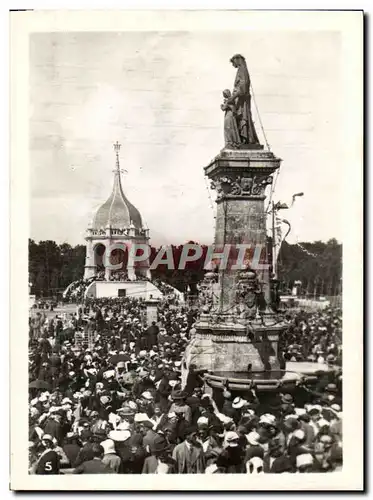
{"x": 117, "y": 170}
{"x": 116, "y": 149}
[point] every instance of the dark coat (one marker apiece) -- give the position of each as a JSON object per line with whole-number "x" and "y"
{"x": 94, "y": 466}
{"x": 279, "y": 465}
{"x": 188, "y": 462}
{"x": 85, "y": 454}
{"x": 49, "y": 463}
{"x": 231, "y": 460}
{"x": 72, "y": 451}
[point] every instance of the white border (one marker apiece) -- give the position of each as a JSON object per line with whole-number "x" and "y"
{"x": 350, "y": 25}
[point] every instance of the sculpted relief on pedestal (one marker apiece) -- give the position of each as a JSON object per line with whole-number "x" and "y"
{"x": 227, "y": 186}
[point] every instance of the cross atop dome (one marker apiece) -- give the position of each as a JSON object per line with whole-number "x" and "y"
{"x": 117, "y": 147}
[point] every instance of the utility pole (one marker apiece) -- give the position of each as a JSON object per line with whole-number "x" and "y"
{"x": 274, "y": 259}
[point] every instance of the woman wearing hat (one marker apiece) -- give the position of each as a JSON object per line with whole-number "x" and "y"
{"x": 49, "y": 461}
{"x": 180, "y": 407}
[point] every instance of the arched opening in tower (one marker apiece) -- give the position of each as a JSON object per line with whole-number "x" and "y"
{"x": 99, "y": 251}
{"x": 119, "y": 258}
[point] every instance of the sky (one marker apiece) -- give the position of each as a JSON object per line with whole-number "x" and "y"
{"x": 159, "y": 95}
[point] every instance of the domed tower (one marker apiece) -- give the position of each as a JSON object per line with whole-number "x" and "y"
{"x": 117, "y": 225}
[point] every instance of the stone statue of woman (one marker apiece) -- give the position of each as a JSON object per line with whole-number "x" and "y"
{"x": 231, "y": 133}
{"x": 241, "y": 98}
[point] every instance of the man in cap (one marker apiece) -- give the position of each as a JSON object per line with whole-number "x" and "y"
{"x": 126, "y": 418}
{"x": 209, "y": 444}
{"x": 188, "y": 455}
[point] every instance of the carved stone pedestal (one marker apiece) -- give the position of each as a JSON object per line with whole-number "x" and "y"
{"x": 238, "y": 330}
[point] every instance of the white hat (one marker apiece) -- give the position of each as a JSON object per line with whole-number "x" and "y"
{"x": 147, "y": 395}
{"x": 238, "y": 403}
{"x": 224, "y": 418}
{"x": 132, "y": 405}
{"x": 119, "y": 435}
{"x": 141, "y": 417}
{"x": 264, "y": 419}
{"x": 44, "y": 397}
{"x": 172, "y": 414}
{"x": 108, "y": 446}
{"x": 271, "y": 418}
{"x": 231, "y": 438}
{"x": 299, "y": 434}
{"x": 108, "y": 374}
{"x": 336, "y": 408}
{"x": 322, "y": 422}
{"x": 253, "y": 438}
{"x": 304, "y": 459}
{"x": 293, "y": 416}
{"x": 66, "y": 401}
{"x": 142, "y": 354}
{"x": 202, "y": 421}
{"x": 47, "y": 437}
{"x": 300, "y": 411}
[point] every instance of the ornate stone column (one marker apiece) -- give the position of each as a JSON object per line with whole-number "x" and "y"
{"x": 238, "y": 331}
{"x": 90, "y": 268}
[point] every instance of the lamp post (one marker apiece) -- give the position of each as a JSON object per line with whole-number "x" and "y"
{"x": 275, "y": 208}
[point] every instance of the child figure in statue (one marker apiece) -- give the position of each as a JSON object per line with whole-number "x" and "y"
{"x": 231, "y": 134}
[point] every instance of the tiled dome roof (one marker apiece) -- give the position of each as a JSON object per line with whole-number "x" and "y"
{"x": 117, "y": 211}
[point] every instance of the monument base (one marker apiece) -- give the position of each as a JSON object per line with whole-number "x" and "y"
{"x": 246, "y": 347}
{"x": 138, "y": 289}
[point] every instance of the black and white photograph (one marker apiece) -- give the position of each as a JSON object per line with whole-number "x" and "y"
{"x": 187, "y": 230}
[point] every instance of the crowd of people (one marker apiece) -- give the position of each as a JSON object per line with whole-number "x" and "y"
{"x": 75, "y": 292}
{"x": 118, "y": 404}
